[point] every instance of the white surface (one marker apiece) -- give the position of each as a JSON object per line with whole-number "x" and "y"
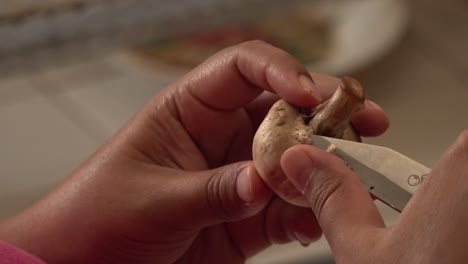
{"x": 363, "y": 31}
{"x": 109, "y": 99}
{"x": 281, "y": 254}
{"x": 55, "y": 118}
{"x": 39, "y": 146}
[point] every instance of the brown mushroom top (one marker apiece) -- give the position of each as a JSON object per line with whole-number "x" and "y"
{"x": 286, "y": 125}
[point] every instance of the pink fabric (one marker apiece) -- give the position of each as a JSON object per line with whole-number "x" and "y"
{"x": 12, "y": 255}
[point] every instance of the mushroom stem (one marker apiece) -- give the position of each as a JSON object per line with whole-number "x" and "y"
{"x": 332, "y": 118}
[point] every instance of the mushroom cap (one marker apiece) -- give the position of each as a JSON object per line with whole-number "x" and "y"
{"x": 282, "y": 128}
{"x": 285, "y": 126}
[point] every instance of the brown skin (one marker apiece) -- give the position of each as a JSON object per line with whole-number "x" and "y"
{"x": 286, "y": 125}
{"x": 167, "y": 189}
{"x": 432, "y": 229}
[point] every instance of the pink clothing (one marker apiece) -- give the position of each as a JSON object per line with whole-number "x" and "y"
{"x": 12, "y": 255}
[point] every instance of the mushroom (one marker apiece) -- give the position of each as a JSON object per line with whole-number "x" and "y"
{"x": 286, "y": 125}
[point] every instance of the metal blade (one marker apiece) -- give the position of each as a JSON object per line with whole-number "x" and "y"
{"x": 388, "y": 175}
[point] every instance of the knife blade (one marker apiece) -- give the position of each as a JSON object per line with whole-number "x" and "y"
{"x": 388, "y": 175}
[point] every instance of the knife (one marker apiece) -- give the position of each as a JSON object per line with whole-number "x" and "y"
{"x": 388, "y": 175}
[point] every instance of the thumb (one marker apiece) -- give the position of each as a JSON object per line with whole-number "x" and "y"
{"x": 224, "y": 194}
{"x": 344, "y": 208}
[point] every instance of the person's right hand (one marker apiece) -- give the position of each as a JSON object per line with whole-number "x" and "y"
{"x": 433, "y": 228}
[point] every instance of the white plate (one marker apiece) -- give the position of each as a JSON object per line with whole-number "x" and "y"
{"x": 364, "y": 31}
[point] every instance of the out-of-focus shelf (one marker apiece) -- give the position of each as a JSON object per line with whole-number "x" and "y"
{"x": 43, "y": 33}
{"x": 65, "y": 31}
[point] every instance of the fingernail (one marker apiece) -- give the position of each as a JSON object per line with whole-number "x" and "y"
{"x": 303, "y": 239}
{"x": 244, "y": 186}
{"x": 308, "y": 84}
{"x": 307, "y": 229}
{"x": 374, "y": 105}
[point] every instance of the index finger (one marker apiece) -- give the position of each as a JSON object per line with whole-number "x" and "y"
{"x": 369, "y": 121}
{"x": 235, "y": 76}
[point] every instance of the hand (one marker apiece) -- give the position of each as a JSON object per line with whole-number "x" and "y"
{"x": 177, "y": 183}
{"x": 433, "y": 228}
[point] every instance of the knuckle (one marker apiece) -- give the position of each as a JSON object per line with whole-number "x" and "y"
{"x": 265, "y": 49}
{"x": 461, "y": 144}
{"x": 220, "y": 192}
{"x": 463, "y": 139}
{"x": 256, "y": 43}
{"x": 322, "y": 188}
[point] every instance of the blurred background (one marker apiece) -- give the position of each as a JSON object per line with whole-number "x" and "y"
{"x": 73, "y": 71}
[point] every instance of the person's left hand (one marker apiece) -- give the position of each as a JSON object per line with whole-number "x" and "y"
{"x": 177, "y": 183}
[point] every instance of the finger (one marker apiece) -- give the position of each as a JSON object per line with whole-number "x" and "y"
{"x": 343, "y": 207}
{"x": 235, "y": 76}
{"x": 451, "y": 172}
{"x": 326, "y": 84}
{"x": 279, "y": 223}
{"x": 438, "y": 210}
{"x": 229, "y": 193}
{"x": 240, "y": 147}
{"x": 258, "y": 109}
{"x": 371, "y": 121}
{"x": 444, "y": 191}
{"x": 285, "y": 223}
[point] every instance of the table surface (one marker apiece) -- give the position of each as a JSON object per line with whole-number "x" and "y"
{"x": 422, "y": 84}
